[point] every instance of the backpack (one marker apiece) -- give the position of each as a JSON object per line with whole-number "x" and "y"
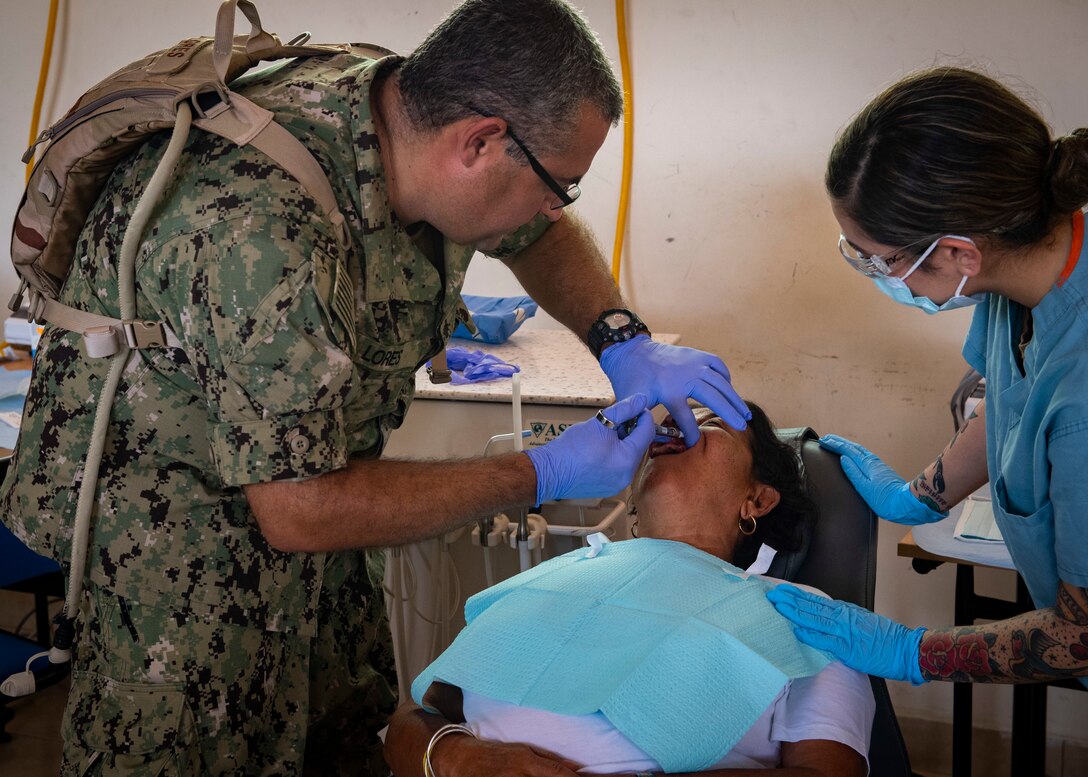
{"x": 185, "y": 85}
{"x": 117, "y": 115}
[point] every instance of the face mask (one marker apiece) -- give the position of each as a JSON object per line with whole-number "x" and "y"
{"x": 896, "y": 287}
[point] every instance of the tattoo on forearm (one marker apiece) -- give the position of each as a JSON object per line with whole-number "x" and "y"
{"x": 1073, "y": 606}
{"x": 1048, "y": 644}
{"x": 932, "y": 494}
{"x": 1073, "y": 603}
{"x": 1029, "y": 655}
{"x": 967, "y": 422}
{"x": 960, "y": 655}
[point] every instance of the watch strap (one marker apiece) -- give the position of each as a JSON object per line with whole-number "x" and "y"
{"x": 601, "y": 333}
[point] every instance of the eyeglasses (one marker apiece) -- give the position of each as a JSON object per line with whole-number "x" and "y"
{"x": 869, "y": 265}
{"x": 566, "y": 195}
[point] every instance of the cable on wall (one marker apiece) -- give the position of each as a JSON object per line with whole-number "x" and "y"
{"x": 628, "y": 138}
{"x": 43, "y": 77}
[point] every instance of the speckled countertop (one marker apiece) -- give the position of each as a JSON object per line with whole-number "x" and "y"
{"x": 556, "y": 369}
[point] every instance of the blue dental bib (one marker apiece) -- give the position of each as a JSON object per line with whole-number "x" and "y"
{"x": 674, "y": 646}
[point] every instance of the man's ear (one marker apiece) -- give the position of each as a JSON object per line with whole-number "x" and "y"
{"x": 480, "y": 140}
{"x": 966, "y": 257}
{"x": 762, "y": 500}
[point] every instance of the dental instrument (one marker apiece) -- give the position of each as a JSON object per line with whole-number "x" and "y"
{"x": 525, "y": 434}
{"x": 487, "y": 534}
{"x": 522, "y": 533}
{"x": 532, "y": 547}
{"x": 629, "y": 426}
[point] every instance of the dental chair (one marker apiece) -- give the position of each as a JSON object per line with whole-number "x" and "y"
{"x": 839, "y": 558}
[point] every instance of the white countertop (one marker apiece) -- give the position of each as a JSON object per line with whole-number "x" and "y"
{"x": 556, "y": 369}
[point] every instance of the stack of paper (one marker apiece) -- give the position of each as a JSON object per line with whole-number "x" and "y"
{"x": 976, "y": 523}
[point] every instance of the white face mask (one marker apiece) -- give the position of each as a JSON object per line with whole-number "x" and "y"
{"x": 896, "y": 287}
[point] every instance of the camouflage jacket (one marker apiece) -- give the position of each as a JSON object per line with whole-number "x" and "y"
{"x": 293, "y": 358}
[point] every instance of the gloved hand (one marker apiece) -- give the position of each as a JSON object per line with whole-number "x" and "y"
{"x": 887, "y": 493}
{"x": 860, "y": 639}
{"x": 668, "y": 375}
{"x": 469, "y": 366}
{"x": 589, "y": 459}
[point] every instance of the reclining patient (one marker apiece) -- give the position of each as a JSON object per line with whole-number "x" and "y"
{"x": 650, "y": 655}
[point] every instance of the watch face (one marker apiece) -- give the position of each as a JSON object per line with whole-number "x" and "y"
{"x": 617, "y": 320}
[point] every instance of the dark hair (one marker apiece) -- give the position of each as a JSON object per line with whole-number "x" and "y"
{"x": 532, "y": 62}
{"x": 777, "y": 464}
{"x": 951, "y": 151}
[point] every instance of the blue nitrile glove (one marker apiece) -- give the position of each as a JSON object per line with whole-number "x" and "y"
{"x": 589, "y": 459}
{"x": 857, "y": 637}
{"x": 469, "y": 366}
{"x": 885, "y": 492}
{"x": 668, "y": 375}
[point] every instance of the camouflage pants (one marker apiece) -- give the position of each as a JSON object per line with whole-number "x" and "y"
{"x": 158, "y": 692}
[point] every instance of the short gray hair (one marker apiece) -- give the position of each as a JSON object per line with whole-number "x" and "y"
{"x": 533, "y": 63}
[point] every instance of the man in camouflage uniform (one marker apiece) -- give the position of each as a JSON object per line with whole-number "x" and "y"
{"x": 231, "y": 623}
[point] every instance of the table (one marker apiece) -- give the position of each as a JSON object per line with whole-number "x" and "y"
{"x": 1028, "y": 699}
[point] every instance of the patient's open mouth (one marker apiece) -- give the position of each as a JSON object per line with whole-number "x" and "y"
{"x": 667, "y": 448}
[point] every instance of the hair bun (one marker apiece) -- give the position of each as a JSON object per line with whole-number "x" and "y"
{"x": 1068, "y": 171}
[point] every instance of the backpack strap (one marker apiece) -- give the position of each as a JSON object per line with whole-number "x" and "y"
{"x": 243, "y": 122}
{"x": 113, "y": 118}
{"x": 233, "y": 55}
{"x": 257, "y": 41}
{"x": 102, "y": 335}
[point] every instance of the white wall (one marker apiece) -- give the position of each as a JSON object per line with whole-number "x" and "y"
{"x": 731, "y": 240}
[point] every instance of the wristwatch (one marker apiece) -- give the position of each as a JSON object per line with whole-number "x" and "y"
{"x": 614, "y": 326}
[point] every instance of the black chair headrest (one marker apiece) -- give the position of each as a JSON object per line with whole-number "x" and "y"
{"x": 787, "y": 564}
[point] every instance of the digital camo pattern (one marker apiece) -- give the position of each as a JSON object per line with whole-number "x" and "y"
{"x": 240, "y": 264}
{"x": 278, "y": 376}
{"x": 168, "y": 693}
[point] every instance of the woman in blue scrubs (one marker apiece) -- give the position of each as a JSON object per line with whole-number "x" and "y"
{"x": 950, "y": 191}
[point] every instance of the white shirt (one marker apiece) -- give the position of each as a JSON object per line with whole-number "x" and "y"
{"x": 835, "y": 704}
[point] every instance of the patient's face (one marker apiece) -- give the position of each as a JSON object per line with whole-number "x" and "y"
{"x": 695, "y": 490}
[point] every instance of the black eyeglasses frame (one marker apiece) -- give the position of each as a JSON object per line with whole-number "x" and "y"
{"x": 567, "y": 195}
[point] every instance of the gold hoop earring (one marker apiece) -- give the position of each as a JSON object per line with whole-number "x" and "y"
{"x": 634, "y": 529}
{"x": 747, "y": 532}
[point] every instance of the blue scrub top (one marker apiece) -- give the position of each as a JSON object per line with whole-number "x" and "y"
{"x": 1037, "y": 427}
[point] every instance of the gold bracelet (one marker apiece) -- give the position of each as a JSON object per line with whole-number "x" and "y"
{"x": 449, "y": 728}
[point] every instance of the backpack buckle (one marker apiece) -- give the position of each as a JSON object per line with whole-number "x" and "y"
{"x": 144, "y": 334}
{"x": 100, "y": 341}
{"x": 438, "y": 370}
{"x": 16, "y": 301}
{"x": 210, "y": 99}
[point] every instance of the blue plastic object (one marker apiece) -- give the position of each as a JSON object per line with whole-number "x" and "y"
{"x": 20, "y": 562}
{"x": 476, "y": 366}
{"x": 884, "y": 491}
{"x": 861, "y": 639}
{"x": 669, "y": 375}
{"x": 589, "y": 459}
{"x": 496, "y": 318}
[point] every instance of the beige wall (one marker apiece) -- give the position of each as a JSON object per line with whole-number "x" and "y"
{"x": 731, "y": 242}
